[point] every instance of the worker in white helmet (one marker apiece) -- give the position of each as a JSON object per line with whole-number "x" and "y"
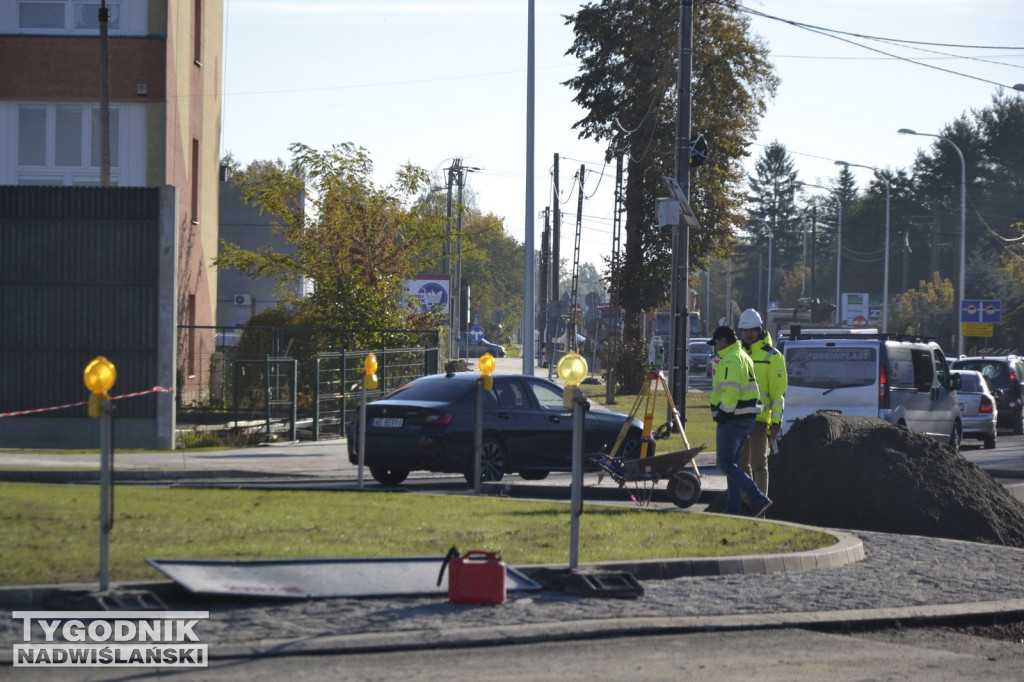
{"x": 772, "y": 381}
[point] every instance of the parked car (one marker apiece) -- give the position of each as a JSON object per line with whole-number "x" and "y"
{"x": 1004, "y": 374}
{"x": 903, "y": 381}
{"x": 428, "y": 424}
{"x": 978, "y": 410}
{"x": 700, "y": 355}
{"x": 468, "y": 348}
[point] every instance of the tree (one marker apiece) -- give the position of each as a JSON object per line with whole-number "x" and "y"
{"x": 492, "y": 266}
{"x": 627, "y": 85}
{"x": 355, "y": 243}
{"x": 774, "y": 221}
{"x": 926, "y": 311}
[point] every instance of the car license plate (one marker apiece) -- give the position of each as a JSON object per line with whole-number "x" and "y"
{"x": 387, "y": 422}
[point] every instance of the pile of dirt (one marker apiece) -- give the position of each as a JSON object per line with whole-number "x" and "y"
{"x": 863, "y": 473}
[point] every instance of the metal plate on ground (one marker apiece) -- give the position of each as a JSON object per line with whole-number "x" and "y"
{"x": 319, "y": 578}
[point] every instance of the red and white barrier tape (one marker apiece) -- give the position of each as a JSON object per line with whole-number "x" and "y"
{"x": 155, "y": 389}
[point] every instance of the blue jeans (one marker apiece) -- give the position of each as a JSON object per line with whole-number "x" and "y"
{"x": 729, "y": 441}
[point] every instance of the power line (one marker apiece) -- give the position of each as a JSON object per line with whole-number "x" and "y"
{"x": 799, "y": 24}
{"x": 838, "y": 35}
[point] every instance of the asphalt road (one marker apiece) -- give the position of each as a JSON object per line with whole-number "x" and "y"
{"x": 774, "y": 655}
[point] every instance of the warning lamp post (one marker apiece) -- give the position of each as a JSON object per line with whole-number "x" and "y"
{"x": 369, "y": 381}
{"x": 572, "y": 369}
{"x": 485, "y": 383}
{"x": 99, "y": 376}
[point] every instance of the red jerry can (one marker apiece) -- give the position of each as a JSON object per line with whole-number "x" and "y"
{"x": 476, "y": 577}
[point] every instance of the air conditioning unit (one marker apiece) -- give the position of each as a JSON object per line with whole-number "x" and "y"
{"x": 243, "y": 299}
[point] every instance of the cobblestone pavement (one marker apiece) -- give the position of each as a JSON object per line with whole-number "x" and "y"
{"x": 902, "y": 577}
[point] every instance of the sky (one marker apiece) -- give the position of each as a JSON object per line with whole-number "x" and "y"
{"x": 429, "y": 81}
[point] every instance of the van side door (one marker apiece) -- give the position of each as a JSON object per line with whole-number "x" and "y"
{"x": 913, "y": 401}
{"x": 944, "y": 406}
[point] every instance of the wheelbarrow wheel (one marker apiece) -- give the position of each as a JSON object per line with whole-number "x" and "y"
{"x": 684, "y": 489}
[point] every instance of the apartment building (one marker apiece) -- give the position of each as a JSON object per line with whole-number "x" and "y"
{"x": 150, "y": 265}
{"x": 165, "y": 70}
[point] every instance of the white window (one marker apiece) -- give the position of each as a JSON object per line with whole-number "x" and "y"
{"x": 64, "y": 138}
{"x": 68, "y": 16}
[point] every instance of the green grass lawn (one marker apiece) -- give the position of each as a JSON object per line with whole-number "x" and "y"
{"x": 52, "y": 531}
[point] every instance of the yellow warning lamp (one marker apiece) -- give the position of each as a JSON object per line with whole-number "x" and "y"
{"x": 572, "y": 369}
{"x": 99, "y": 377}
{"x": 486, "y": 365}
{"x": 370, "y": 380}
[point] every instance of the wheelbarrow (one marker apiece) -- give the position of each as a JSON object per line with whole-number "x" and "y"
{"x": 646, "y": 472}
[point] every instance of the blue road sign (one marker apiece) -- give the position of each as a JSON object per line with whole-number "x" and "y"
{"x": 970, "y": 310}
{"x": 974, "y": 310}
{"x": 476, "y": 332}
{"x": 991, "y": 311}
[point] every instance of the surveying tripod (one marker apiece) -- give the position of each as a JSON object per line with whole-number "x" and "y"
{"x": 648, "y": 397}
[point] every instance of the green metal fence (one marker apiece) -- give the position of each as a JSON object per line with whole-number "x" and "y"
{"x": 291, "y": 380}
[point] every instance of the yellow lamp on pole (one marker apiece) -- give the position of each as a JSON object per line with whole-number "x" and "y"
{"x": 370, "y": 365}
{"x": 572, "y": 369}
{"x": 99, "y": 376}
{"x": 486, "y": 366}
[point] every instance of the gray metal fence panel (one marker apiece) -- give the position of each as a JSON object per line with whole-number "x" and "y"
{"x": 78, "y": 269}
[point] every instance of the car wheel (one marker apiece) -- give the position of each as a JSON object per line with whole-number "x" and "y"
{"x": 954, "y": 438}
{"x": 493, "y": 462}
{"x": 990, "y": 441}
{"x": 533, "y": 475}
{"x": 684, "y": 489}
{"x": 389, "y": 475}
{"x": 1018, "y": 424}
{"x": 631, "y": 447}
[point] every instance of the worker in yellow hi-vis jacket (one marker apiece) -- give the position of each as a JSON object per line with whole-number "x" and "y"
{"x": 735, "y": 404}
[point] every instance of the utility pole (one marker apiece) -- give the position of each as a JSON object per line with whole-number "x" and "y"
{"x": 545, "y": 277}
{"x": 452, "y": 285}
{"x": 458, "y": 250}
{"x": 104, "y": 17}
{"x": 679, "y": 330}
{"x": 556, "y": 236}
{"x": 615, "y": 284}
{"x": 529, "y": 273}
{"x": 457, "y": 177}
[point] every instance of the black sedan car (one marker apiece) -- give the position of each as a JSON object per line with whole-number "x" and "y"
{"x": 428, "y": 424}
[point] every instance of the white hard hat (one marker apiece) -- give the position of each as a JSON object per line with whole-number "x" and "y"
{"x": 749, "y": 319}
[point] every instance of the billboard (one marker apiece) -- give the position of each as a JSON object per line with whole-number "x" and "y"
{"x": 429, "y": 293}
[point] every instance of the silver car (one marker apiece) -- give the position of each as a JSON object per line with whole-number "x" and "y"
{"x": 978, "y": 410}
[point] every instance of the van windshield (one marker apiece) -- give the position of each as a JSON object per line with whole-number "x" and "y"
{"x": 831, "y": 367}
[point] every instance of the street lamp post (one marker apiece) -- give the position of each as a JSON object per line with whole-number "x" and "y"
{"x": 963, "y": 226}
{"x": 885, "y": 281}
{"x": 768, "y": 296}
{"x": 839, "y": 241}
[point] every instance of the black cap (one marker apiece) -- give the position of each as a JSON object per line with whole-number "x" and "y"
{"x": 723, "y": 333}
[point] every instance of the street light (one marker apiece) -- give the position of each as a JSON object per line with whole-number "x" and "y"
{"x": 885, "y": 282}
{"x": 768, "y": 296}
{"x": 839, "y": 240}
{"x": 963, "y": 223}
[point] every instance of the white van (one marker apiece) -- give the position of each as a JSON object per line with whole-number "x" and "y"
{"x": 901, "y": 380}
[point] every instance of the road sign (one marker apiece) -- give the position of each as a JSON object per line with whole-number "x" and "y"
{"x": 476, "y": 332}
{"x": 983, "y": 329}
{"x": 975, "y": 310}
{"x": 992, "y": 311}
{"x": 577, "y": 310}
{"x": 860, "y": 322}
